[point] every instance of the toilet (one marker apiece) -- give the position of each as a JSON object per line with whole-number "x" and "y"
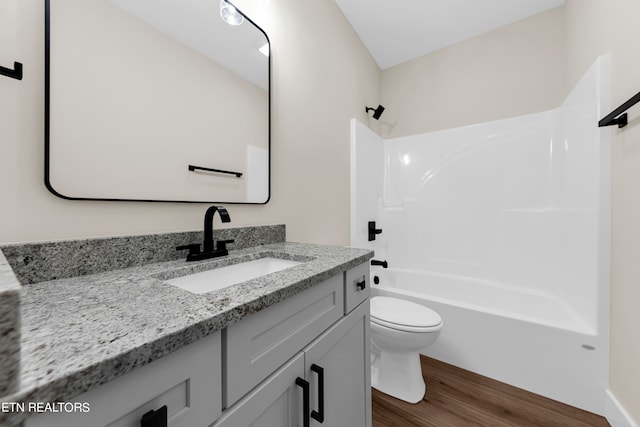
{"x": 399, "y": 330}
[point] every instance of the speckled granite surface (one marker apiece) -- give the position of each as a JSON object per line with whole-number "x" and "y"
{"x": 39, "y": 262}
{"x": 9, "y": 329}
{"x": 81, "y": 332}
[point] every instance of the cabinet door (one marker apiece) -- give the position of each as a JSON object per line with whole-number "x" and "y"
{"x": 276, "y": 402}
{"x": 342, "y": 353}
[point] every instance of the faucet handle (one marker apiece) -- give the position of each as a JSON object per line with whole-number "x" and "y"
{"x": 221, "y": 245}
{"x": 373, "y": 230}
{"x": 194, "y": 248}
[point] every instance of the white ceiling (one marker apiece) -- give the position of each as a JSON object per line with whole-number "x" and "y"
{"x": 197, "y": 24}
{"x": 396, "y": 31}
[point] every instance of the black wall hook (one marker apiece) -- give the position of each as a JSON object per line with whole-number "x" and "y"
{"x": 16, "y": 73}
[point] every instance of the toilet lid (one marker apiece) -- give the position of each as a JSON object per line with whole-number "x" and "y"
{"x": 395, "y": 311}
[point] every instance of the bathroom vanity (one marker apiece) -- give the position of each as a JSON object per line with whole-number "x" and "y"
{"x": 290, "y": 348}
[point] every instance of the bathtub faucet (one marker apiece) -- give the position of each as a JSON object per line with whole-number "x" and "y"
{"x": 383, "y": 264}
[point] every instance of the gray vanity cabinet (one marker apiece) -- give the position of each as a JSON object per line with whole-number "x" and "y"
{"x": 319, "y": 339}
{"x": 253, "y": 373}
{"x": 341, "y": 353}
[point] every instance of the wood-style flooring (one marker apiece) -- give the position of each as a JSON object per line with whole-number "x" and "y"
{"x": 456, "y": 397}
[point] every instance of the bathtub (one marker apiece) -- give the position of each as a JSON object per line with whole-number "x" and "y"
{"x": 526, "y": 338}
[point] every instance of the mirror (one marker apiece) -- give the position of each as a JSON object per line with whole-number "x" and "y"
{"x": 155, "y": 100}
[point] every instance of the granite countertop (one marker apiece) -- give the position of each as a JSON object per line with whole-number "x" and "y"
{"x": 81, "y": 332}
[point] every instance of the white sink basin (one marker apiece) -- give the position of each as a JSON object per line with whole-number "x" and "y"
{"x": 219, "y": 278}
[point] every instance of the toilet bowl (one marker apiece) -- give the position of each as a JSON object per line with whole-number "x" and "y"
{"x": 399, "y": 330}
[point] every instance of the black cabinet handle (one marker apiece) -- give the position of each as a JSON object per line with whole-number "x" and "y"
{"x": 362, "y": 284}
{"x": 305, "y": 401}
{"x": 319, "y": 414}
{"x": 157, "y": 418}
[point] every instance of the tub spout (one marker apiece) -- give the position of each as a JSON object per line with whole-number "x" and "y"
{"x": 383, "y": 264}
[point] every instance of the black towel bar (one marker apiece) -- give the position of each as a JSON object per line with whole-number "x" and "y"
{"x": 193, "y": 168}
{"x": 613, "y": 119}
{"x": 16, "y": 73}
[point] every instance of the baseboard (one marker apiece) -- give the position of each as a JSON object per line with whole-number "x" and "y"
{"x": 616, "y": 414}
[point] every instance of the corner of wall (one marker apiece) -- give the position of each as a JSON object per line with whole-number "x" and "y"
{"x": 615, "y": 413}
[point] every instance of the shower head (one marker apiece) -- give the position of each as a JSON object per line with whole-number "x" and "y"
{"x": 377, "y": 112}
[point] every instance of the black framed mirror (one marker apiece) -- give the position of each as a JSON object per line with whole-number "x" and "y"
{"x": 155, "y": 100}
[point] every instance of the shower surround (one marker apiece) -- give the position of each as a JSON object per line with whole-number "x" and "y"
{"x": 503, "y": 228}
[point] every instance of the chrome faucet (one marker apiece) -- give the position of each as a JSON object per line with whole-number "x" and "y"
{"x": 210, "y": 247}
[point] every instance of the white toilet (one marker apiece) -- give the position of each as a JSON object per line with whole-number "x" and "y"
{"x": 399, "y": 330}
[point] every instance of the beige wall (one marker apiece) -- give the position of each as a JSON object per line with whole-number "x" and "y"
{"x": 514, "y": 70}
{"x": 595, "y": 27}
{"x": 322, "y": 77}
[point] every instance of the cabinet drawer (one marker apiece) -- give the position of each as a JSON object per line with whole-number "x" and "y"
{"x": 259, "y": 344}
{"x": 188, "y": 381}
{"x": 353, "y": 294}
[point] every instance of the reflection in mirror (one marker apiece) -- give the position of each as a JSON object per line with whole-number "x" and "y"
{"x": 139, "y": 90}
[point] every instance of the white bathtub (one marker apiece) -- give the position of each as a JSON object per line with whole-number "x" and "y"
{"x": 526, "y": 338}
{"x": 490, "y": 297}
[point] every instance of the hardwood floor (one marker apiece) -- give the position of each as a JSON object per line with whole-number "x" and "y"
{"x": 456, "y": 397}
